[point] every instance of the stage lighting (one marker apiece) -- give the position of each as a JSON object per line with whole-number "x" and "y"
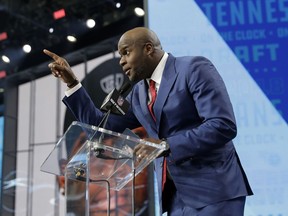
{"x": 59, "y": 14}
{"x": 71, "y": 38}
{"x": 118, "y": 5}
{"x": 5, "y": 59}
{"x": 27, "y": 48}
{"x": 3, "y": 36}
{"x": 90, "y": 23}
{"x": 139, "y": 11}
{"x": 2, "y": 75}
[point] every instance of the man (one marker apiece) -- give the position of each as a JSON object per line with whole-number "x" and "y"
{"x": 192, "y": 113}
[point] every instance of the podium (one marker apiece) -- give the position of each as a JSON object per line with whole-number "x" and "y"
{"x": 99, "y": 166}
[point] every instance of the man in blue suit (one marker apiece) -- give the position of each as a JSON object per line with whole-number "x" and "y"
{"x": 192, "y": 113}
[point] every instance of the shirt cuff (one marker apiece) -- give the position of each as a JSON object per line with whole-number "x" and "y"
{"x": 71, "y": 91}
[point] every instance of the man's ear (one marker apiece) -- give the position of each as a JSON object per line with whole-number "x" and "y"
{"x": 149, "y": 48}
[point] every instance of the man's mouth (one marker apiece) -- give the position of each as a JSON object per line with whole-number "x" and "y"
{"x": 127, "y": 72}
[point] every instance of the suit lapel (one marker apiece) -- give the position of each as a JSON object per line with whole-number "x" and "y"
{"x": 167, "y": 81}
{"x": 143, "y": 95}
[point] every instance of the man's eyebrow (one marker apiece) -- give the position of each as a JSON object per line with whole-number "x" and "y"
{"x": 123, "y": 48}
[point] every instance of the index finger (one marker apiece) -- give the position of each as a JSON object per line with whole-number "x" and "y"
{"x": 51, "y": 54}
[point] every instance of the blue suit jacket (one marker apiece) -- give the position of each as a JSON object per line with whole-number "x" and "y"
{"x": 194, "y": 113}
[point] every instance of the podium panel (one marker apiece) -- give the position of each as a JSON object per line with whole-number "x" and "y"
{"x": 95, "y": 158}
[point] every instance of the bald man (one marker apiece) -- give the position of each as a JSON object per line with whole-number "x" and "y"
{"x": 192, "y": 112}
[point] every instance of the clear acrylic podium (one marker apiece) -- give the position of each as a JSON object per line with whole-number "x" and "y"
{"x": 98, "y": 166}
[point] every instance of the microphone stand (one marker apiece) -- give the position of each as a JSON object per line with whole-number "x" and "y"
{"x": 81, "y": 178}
{"x": 109, "y": 108}
{"x": 104, "y": 119}
{"x": 133, "y": 187}
{"x": 98, "y": 151}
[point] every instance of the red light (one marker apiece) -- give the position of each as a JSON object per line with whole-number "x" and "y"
{"x": 59, "y": 14}
{"x": 2, "y": 74}
{"x": 3, "y": 36}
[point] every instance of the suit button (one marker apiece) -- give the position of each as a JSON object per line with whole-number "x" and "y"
{"x": 161, "y": 164}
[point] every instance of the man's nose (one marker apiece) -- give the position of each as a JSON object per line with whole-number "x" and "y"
{"x": 122, "y": 61}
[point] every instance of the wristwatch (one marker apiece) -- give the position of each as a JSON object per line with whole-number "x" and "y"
{"x": 165, "y": 144}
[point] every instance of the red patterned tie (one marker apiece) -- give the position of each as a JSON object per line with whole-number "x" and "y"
{"x": 153, "y": 93}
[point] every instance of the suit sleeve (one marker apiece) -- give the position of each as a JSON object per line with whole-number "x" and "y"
{"x": 215, "y": 124}
{"x": 84, "y": 110}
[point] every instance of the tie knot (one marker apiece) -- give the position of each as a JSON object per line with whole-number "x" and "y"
{"x": 151, "y": 83}
{"x": 152, "y": 88}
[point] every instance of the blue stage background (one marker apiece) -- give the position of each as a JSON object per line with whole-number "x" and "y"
{"x": 257, "y": 32}
{"x": 1, "y": 144}
{"x": 246, "y": 40}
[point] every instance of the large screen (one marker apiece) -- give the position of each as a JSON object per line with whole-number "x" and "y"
{"x": 247, "y": 42}
{"x": 1, "y": 145}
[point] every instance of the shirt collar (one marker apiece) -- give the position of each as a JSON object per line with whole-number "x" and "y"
{"x": 157, "y": 73}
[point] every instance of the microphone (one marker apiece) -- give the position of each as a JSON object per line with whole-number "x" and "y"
{"x": 125, "y": 87}
{"x": 115, "y": 101}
